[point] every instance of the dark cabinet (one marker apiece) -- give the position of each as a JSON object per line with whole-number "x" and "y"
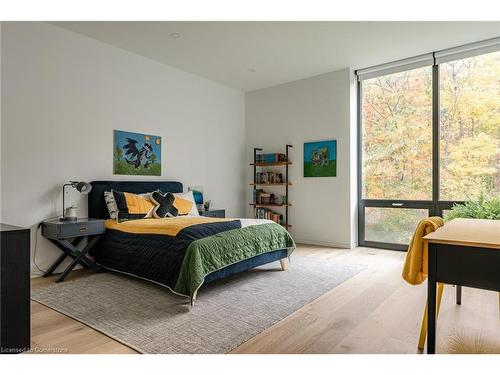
{"x": 14, "y": 289}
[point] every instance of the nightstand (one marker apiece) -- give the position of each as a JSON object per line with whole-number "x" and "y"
{"x": 66, "y": 235}
{"x": 214, "y": 212}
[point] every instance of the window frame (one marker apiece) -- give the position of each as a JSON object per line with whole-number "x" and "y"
{"x": 435, "y": 206}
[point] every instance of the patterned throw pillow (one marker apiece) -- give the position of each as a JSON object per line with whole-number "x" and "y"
{"x": 164, "y": 205}
{"x": 109, "y": 198}
{"x": 132, "y": 206}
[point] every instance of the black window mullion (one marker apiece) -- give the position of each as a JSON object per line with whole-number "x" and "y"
{"x": 435, "y": 139}
{"x": 361, "y": 208}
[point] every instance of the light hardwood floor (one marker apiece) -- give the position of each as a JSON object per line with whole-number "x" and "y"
{"x": 373, "y": 312}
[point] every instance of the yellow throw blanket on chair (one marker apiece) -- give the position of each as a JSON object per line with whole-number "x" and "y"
{"x": 416, "y": 264}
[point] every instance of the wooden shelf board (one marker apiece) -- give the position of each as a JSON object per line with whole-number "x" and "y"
{"x": 277, "y": 184}
{"x": 272, "y": 164}
{"x": 270, "y": 205}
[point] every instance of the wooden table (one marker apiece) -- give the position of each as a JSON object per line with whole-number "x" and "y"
{"x": 462, "y": 252}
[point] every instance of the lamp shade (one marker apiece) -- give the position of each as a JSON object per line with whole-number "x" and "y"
{"x": 82, "y": 187}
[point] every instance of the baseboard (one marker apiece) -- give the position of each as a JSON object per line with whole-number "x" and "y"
{"x": 325, "y": 243}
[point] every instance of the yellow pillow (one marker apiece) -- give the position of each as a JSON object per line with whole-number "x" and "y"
{"x": 183, "y": 205}
{"x": 132, "y": 206}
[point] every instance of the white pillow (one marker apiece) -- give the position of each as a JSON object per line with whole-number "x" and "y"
{"x": 189, "y": 196}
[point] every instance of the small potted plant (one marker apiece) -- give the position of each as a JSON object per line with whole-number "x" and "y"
{"x": 206, "y": 205}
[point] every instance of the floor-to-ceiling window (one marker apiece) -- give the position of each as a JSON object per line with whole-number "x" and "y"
{"x": 429, "y": 137}
{"x": 469, "y": 127}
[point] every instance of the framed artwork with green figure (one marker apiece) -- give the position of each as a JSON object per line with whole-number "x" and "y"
{"x": 320, "y": 159}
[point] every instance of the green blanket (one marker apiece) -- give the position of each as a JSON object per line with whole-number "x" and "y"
{"x": 215, "y": 252}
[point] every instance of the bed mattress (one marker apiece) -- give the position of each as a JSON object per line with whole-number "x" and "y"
{"x": 181, "y": 252}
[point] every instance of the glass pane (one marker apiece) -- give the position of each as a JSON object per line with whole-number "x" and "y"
{"x": 397, "y": 136}
{"x": 392, "y": 225}
{"x": 470, "y": 127}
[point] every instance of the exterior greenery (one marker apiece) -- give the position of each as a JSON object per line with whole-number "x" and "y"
{"x": 392, "y": 225}
{"x": 397, "y": 131}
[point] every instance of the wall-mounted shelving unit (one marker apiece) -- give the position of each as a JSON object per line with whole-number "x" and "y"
{"x": 284, "y": 184}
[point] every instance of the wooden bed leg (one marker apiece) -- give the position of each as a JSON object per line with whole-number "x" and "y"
{"x": 283, "y": 264}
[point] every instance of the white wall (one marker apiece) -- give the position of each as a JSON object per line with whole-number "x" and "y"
{"x": 313, "y": 109}
{"x": 62, "y": 96}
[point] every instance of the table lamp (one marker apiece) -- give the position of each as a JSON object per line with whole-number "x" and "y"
{"x": 69, "y": 214}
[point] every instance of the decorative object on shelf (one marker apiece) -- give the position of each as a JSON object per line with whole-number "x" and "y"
{"x": 206, "y": 205}
{"x": 136, "y": 154}
{"x": 69, "y": 213}
{"x": 262, "y": 199}
{"x": 320, "y": 159}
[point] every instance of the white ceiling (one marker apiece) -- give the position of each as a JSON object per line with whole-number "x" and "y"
{"x": 254, "y": 55}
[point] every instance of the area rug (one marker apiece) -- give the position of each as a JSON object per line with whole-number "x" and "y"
{"x": 150, "y": 319}
{"x": 460, "y": 343}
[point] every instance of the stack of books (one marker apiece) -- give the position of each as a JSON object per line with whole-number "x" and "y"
{"x": 264, "y": 213}
{"x": 261, "y": 197}
{"x": 256, "y": 195}
{"x": 270, "y": 158}
{"x": 269, "y": 178}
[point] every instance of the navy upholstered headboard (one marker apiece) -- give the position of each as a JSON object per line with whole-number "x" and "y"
{"x": 97, "y": 206}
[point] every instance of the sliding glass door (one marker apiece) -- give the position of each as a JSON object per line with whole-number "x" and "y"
{"x": 428, "y": 137}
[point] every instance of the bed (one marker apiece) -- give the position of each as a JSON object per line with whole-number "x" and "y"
{"x": 182, "y": 253}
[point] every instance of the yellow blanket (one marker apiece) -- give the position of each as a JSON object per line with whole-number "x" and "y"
{"x": 169, "y": 226}
{"x": 416, "y": 264}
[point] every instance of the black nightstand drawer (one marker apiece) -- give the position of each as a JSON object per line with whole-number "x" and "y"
{"x": 214, "y": 213}
{"x": 68, "y": 229}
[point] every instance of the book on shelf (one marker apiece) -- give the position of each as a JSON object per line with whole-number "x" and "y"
{"x": 274, "y": 157}
{"x": 264, "y": 213}
{"x": 269, "y": 178}
{"x": 261, "y": 197}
